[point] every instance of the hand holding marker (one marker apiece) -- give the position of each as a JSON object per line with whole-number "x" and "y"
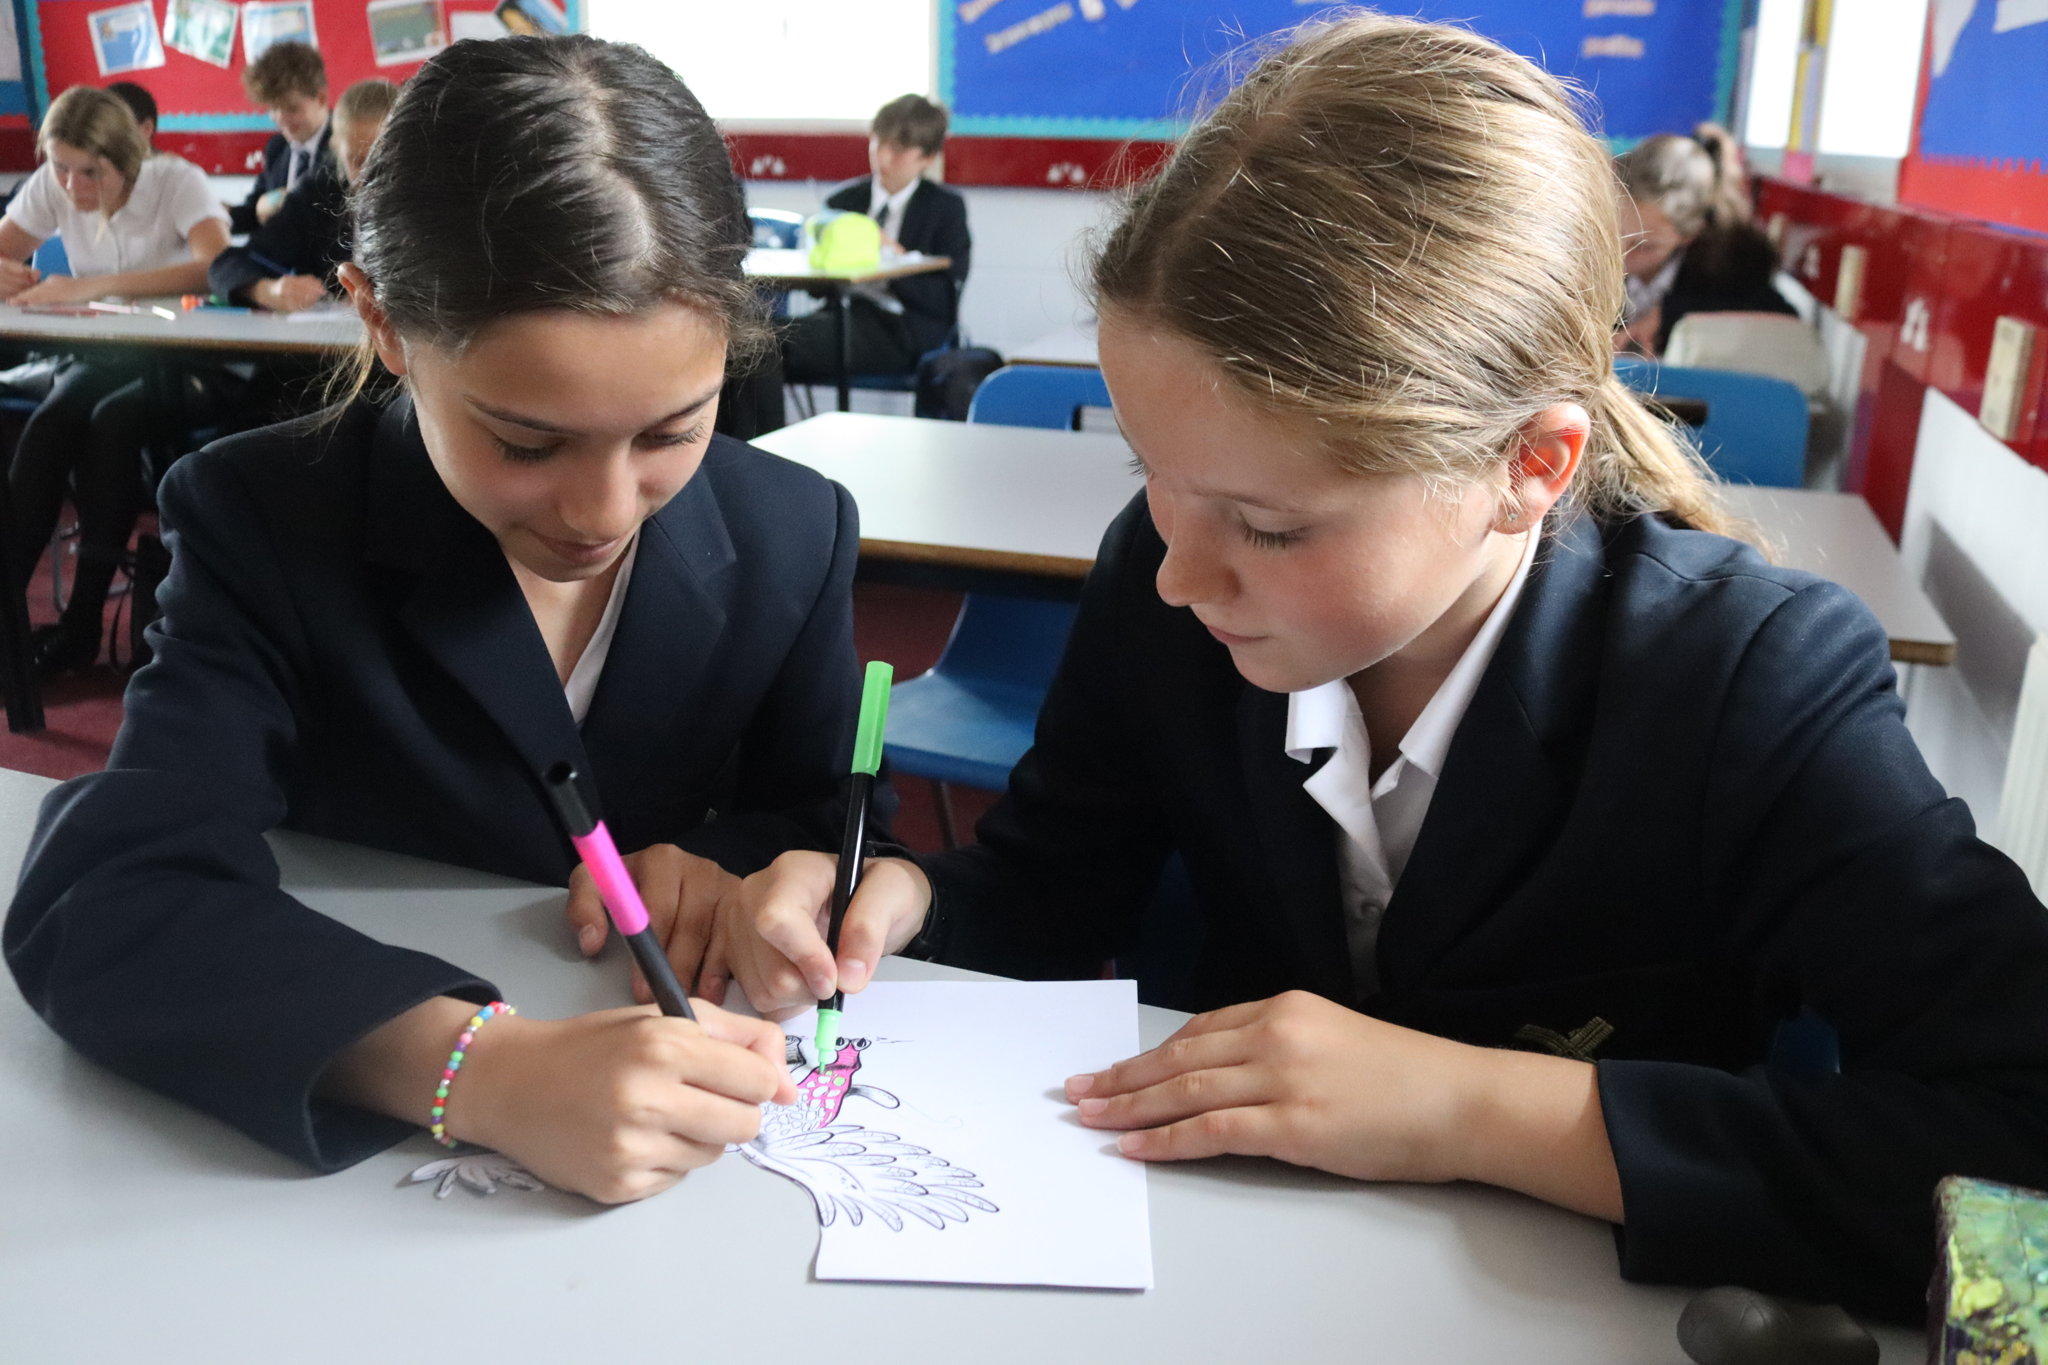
{"x": 867, "y": 761}
{"x": 615, "y": 888}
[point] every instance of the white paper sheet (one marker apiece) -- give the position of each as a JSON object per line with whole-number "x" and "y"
{"x": 947, "y": 1153}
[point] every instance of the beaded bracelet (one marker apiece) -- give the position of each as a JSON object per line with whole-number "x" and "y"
{"x": 435, "y": 1124}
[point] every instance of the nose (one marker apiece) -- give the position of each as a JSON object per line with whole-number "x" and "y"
{"x": 1192, "y": 572}
{"x": 599, "y": 499}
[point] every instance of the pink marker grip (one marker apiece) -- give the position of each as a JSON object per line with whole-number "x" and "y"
{"x": 614, "y": 884}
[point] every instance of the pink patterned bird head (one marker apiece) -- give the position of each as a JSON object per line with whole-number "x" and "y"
{"x": 827, "y": 1086}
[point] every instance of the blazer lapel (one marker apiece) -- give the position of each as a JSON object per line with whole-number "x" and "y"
{"x": 1497, "y": 805}
{"x": 1298, "y": 843}
{"x": 668, "y": 633}
{"x": 463, "y": 607}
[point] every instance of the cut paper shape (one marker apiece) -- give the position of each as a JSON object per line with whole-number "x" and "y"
{"x": 125, "y": 38}
{"x": 266, "y": 23}
{"x": 202, "y": 28}
{"x": 938, "y": 1148}
{"x": 479, "y": 1172}
{"x": 405, "y": 31}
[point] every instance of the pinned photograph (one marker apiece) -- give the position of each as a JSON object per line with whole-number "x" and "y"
{"x": 202, "y": 28}
{"x": 540, "y": 17}
{"x": 125, "y": 38}
{"x": 268, "y": 22}
{"x": 405, "y": 31}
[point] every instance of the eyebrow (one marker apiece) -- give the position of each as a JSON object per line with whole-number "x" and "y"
{"x": 535, "y": 424}
{"x": 1281, "y": 509}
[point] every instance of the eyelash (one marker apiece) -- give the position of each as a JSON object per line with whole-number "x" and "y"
{"x": 535, "y": 454}
{"x": 1264, "y": 540}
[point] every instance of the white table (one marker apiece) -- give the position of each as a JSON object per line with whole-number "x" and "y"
{"x": 791, "y": 268}
{"x": 203, "y": 333}
{"x": 971, "y": 500}
{"x": 133, "y": 1229}
{"x": 1075, "y": 346}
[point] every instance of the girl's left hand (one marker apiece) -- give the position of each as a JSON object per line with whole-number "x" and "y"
{"x": 1298, "y": 1078}
{"x": 57, "y": 289}
{"x": 682, "y": 893}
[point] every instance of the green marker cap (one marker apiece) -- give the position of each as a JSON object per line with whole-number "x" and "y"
{"x": 874, "y": 715}
{"x": 826, "y": 1043}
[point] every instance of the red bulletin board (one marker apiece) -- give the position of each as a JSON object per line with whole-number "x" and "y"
{"x": 195, "y": 93}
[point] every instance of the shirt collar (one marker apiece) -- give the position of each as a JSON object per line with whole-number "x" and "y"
{"x": 895, "y": 201}
{"x": 1317, "y": 717}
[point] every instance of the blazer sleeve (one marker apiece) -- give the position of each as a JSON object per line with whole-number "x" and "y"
{"x": 301, "y": 238}
{"x": 794, "y": 754}
{"x": 1065, "y": 861}
{"x": 1859, "y": 889}
{"x": 148, "y": 927}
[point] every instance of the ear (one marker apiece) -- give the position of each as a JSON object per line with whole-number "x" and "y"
{"x": 383, "y": 336}
{"x": 1548, "y": 449}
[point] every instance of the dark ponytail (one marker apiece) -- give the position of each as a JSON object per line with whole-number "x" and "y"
{"x": 532, "y": 173}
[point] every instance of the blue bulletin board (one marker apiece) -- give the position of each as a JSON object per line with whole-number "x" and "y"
{"x": 1978, "y": 47}
{"x": 1138, "y": 68}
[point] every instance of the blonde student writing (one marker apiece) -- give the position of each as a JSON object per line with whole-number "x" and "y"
{"x": 1520, "y": 801}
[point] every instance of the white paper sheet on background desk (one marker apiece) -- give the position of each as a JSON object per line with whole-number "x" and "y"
{"x": 936, "y": 1145}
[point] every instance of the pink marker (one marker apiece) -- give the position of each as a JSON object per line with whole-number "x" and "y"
{"x": 615, "y": 888}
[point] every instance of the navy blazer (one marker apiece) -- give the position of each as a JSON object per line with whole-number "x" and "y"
{"x": 344, "y": 650}
{"x": 308, "y": 235}
{"x": 1682, "y": 800}
{"x": 276, "y": 172}
{"x": 934, "y": 222}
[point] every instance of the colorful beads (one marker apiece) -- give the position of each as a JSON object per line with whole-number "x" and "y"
{"x": 438, "y": 1113}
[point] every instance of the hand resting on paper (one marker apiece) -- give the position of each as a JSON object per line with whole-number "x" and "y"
{"x": 616, "y": 1105}
{"x": 1310, "y": 1082}
{"x": 682, "y": 893}
{"x": 16, "y": 276}
{"x": 771, "y": 936}
{"x": 58, "y": 289}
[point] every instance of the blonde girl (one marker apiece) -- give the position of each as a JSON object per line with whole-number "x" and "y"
{"x": 1518, "y": 806}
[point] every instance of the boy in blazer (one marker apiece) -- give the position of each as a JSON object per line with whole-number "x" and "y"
{"x": 889, "y": 327}
{"x": 289, "y": 83}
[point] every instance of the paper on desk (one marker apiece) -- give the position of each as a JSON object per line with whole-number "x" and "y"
{"x": 936, "y": 1145}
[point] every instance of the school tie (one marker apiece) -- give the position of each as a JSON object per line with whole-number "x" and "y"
{"x": 882, "y": 217}
{"x": 300, "y": 157}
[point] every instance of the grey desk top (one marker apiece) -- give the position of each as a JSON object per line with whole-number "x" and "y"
{"x": 204, "y": 329}
{"x": 792, "y": 266}
{"x": 977, "y": 495}
{"x": 134, "y": 1230}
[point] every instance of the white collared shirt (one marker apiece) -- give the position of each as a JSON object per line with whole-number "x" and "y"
{"x": 152, "y": 229}
{"x": 296, "y": 167}
{"x": 879, "y": 294}
{"x": 1643, "y": 295}
{"x": 582, "y": 684}
{"x": 1380, "y": 820}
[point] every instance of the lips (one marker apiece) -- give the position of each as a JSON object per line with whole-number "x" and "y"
{"x": 1227, "y": 638}
{"x": 577, "y": 551}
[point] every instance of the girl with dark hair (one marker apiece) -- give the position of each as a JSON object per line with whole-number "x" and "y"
{"x": 385, "y": 624}
{"x": 1517, "y": 806}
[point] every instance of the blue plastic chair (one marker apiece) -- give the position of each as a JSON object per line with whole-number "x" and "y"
{"x": 50, "y": 258}
{"x": 1038, "y": 396}
{"x": 1755, "y": 428}
{"x": 777, "y": 228}
{"x": 973, "y": 715}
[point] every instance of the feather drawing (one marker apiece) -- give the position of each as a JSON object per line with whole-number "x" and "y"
{"x": 479, "y": 1172}
{"x": 854, "y": 1171}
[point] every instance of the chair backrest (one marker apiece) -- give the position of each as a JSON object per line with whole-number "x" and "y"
{"x": 50, "y": 258}
{"x": 1773, "y": 344}
{"x": 1755, "y": 427}
{"x": 1011, "y": 642}
{"x": 777, "y": 228}
{"x": 1038, "y": 396}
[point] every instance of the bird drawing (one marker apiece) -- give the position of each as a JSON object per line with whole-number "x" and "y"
{"x": 852, "y": 1170}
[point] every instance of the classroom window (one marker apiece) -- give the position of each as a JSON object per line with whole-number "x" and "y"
{"x": 1773, "y": 68}
{"x": 782, "y": 61}
{"x": 1873, "y": 73}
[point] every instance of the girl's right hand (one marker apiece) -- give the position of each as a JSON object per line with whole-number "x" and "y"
{"x": 16, "y": 276}
{"x": 771, "y": 937}
{"x": 620, "y": 1104}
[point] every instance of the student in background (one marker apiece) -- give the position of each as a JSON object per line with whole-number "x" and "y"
{"x": 140, "y": 103}
{"x": 891, "y": 326}
{"x": 290, "y": 262}
{"x": 132, "y": 224}
{"x": 1519, "y": 803}
{"x": 289, "y": 83}
{"x": 386, "y": 624}
{"x": 1691, "y": 244}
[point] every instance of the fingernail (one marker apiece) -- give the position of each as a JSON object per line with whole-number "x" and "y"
{"x": 589, "y": 938}
{"x": 1090, "y": 1108}
{"x": 853, "y": 975}
{"x": 1130, "y": 1144}
{"x": 1077, "y": 1086}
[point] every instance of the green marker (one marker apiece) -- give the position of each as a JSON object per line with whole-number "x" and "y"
{"x": 867, "y": 760}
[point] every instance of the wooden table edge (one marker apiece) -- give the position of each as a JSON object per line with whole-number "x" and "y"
{"x": 960, "y": 557}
